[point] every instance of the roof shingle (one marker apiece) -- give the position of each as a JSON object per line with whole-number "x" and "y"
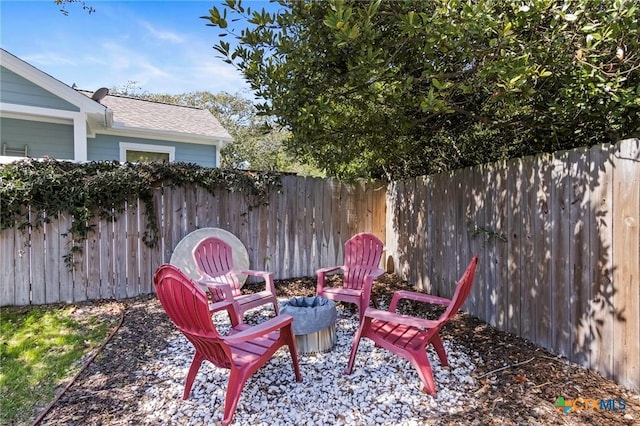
{"x": 131, "y": 113}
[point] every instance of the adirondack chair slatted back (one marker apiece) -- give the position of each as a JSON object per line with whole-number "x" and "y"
{"x": 214, "y": 260}
{"x": 362, "y": 253}
{"x": 188, "y": 308}
{"x": 463, "y": 288}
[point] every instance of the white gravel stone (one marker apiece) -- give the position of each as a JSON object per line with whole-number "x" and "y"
{"x": 383, "y": 389}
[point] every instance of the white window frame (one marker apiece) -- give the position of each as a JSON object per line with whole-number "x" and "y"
{"x": 128, "y": 146}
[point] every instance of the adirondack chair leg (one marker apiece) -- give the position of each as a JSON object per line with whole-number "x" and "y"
{"x": 421, "y": 362}
{"x": 439, "y": 347}
{"x": 193, "y": 370}
{"x": 291, "y": 343}
{"x": 354, "y": 347}
{"x": 237, "y": 379}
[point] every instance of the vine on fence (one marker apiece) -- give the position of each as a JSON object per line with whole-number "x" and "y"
{"x": 488, "y": 234}
{"x": 33, "y": 192}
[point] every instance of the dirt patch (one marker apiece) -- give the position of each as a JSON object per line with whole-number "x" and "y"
{"x": 517, "y": 382}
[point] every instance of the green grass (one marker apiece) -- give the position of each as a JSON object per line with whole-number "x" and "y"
{"x": 40, "y": 348}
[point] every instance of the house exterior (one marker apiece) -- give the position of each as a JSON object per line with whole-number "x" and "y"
{"x": 42, "y": 117}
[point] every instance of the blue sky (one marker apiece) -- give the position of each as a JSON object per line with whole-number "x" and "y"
{"x": 164, "y": 46}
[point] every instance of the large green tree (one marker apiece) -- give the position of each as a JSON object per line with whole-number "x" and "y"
{"x": 393, "y": 89}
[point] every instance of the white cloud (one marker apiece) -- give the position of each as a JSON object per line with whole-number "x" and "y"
{"x": 162, "y": 35}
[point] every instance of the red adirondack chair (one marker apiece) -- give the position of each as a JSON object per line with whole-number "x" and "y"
{"x": 243, "y": 351}
{"x": 408, "y": 336}
{"x": 214, "y": 262}
{"x": 362, "y": 254}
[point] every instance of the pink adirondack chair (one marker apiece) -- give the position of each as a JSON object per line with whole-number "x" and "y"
{"x": 244, "y": 351}
{"x": 408, "y": 336}
{"x": 214, "y": 262}
{"x": 361, "y": 267}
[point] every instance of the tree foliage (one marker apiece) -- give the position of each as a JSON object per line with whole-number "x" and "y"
{"x": 63, "y": 6}
{"x": 404, "y": 88}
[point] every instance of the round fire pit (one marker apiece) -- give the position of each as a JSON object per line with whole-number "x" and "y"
{"x": 314, "y": 323}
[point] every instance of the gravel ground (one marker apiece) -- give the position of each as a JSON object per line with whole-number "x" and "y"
{"x": 493, "y": 378}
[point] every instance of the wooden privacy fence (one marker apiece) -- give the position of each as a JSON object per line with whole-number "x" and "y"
{"x": 559, "y": 244}
{"x": 558, "y": 238}
{"x": 299, "y": 229}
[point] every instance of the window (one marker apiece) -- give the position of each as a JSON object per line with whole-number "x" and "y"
{"x": 139, "y": 153}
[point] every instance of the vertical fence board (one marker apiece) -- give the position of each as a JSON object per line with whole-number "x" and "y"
{"x": 7, "y": 267}
{"x": 515, "y": 239}
{"x": 22, "y": 263}
{"x": 420, "y": 231}
{"x": 38, "y": 265}
{"x": 191, "y": 208}
{"x": 409, "y": 232}
{"x": 341, "y": 216}
{"x": 120, "y": 256}
{"x": 53, "y": 260}
{"x": 427, "y": 257}
{"x": 461, "y": 256}
{"x": 164, "y": 224}
{"x": 502, "y": 247}
{"x": 513, "y": 203}
{"x": 146, "y": 256}
{"x": 178, "y": 211}
{"x": 449, "y": 236}
{"x": 289, "y": 234}
{"x": 400, "y": 244}
{"x": 64, "y": 245}
{"x": 80, "y": 284}
{"x": 273, "y": 222}
{"x": 330, "y": 205}
{"x": 313, "y": 192}
{"x": 299, "y": 214}
{"x": 463, "y": 227}
{"x": 107, "y": 259}
{"x": 526, "y": 282}
{"x": 542, "y": 250}
{"x": 560, "y": 266}
{"x": 437, "y": 249}
{"x": 92, "y": 257}
{"x": 475, "y": 217}
{"x": 489, "y": 242}
{"x": 601, "y": 312}
{"x": 626, "y": 257}
{"x": 579, "y": 255}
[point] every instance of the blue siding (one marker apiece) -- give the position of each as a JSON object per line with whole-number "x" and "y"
{"x": 19, "y": 90}
{"x": 105, "y": 147}
{"x": 44, "y": 139}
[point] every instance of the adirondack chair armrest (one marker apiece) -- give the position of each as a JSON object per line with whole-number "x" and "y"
{"x": 402, "y": 319}
{"x": 267, "y": 276}
{"x": 418, "y": 297}
{"x": 261, "y": 329}
{"x": 375, "y": 273}
{"x": 229, "y": 304}
{"x": 321, "y": 277}
{"x": 219, "y": 306}
{"x": 328, "y": 269}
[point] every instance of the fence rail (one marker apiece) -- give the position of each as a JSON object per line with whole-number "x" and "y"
{"x": 559, "y": 243}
